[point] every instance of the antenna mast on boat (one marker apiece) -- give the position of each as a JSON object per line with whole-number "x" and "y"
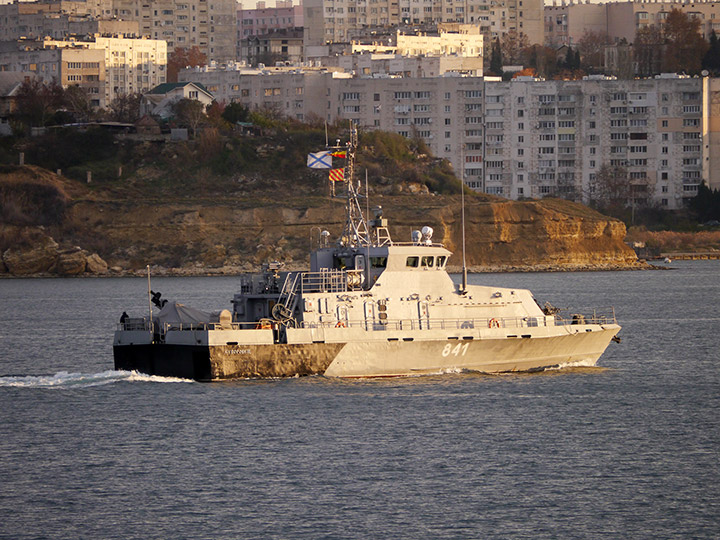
{"x": 149, "y": 301}
{"x": 463, "y": 290}
{"x": 356, "y": 231}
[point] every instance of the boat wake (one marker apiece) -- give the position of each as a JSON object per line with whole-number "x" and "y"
{"x": 65, "y": 380}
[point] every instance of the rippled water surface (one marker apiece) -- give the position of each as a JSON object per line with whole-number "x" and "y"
{"x": 625, "y": 450}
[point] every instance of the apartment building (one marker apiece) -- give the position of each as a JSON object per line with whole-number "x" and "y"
{"x": 711, "y": 132}
{"x": 413, "y": 56}
{"x": 130, "y": 64}
{"x": 522, "y": 138}
{"x": 70, "y": 65}
{"x": 17, "y": 21}
{"x": 328, "y": 21}
{"x": 263, "y": 20}
{"x": 209, "y": 25}
{"x": 567, "y": 21}
{"x": 284, "y": 45}
{"x": 557, "y": 135}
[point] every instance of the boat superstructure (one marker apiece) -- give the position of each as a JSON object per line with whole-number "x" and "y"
{"x": 367, "y": 307}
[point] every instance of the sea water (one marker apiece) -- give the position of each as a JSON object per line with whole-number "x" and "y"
{"x": 629, "y": 449}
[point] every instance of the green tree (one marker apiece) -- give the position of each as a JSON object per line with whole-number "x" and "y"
{"x": 711, "y": 60}
{"x": 496, "y": 62}
{"x": 542, "y": 59}
{"x": 236, "y": 112}
{"x": 706, "y": 204}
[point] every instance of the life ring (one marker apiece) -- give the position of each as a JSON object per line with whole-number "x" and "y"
{"x": 263, "y": 325}
{"x": 493, "y": 323}
{"x": 340, "y": 324}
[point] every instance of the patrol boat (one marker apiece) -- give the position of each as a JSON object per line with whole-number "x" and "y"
{"x": 368, "y": 307}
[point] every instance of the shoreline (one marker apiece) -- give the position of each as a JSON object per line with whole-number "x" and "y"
{"x": 236, "y": 271}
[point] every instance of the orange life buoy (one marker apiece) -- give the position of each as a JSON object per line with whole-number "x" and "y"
{"x": 263, "y": 325}
{"x": 493, "y": 323}
{"x": 340, "y": 324}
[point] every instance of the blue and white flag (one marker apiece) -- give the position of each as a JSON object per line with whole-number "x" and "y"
{"x": 320, "y": 160}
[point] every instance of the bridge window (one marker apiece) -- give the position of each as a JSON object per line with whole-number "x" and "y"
{"x": 412, "y": 262}
{"x": 441, "y": 261}
{"x": 378, "y": 262}
{"x": 428, "y": 261}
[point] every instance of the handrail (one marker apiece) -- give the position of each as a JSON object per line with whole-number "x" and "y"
{"x": 472, "y": 323}
{"x": 598, "y": 316}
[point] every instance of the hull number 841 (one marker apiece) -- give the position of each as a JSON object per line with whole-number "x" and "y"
{"x": 458, "y": 350}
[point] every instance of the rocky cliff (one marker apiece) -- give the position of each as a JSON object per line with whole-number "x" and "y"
{"x": 87, "y": 230}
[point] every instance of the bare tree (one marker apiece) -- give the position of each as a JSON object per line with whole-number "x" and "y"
{"x": 512, "y": 45}
{"x": 648, "y": 49}
{"x": 38, "y": 101}
{"x": 126, "y": 107}
{"x": 592, "y": 48}
{"x": 685, "y": 47}
{"x": 181, "y": 58}
{"x": 611, "y": 191}
{"x": 190, "y": 113}
{"x": 77, "y": 101}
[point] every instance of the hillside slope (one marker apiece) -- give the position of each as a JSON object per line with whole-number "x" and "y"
{"x": 47, "y": 219}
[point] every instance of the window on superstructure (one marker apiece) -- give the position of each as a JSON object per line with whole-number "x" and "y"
{"x": 428, "y": 262}
{"x": 441, "y": 261}
{"x": 378, "y": 262}
{"x": 412, "y": 262}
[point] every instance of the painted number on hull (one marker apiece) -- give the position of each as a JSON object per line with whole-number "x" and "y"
{"x": 457, "y": 350}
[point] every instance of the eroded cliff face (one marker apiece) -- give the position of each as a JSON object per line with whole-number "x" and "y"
{"x": 193, "y": 236}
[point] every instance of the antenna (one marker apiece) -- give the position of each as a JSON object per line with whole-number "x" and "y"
{"x": 462, "y": 205}
{"x": 367, "y": 214}
{"x": 356, "y": 229}
{"x": 149, "y": 300}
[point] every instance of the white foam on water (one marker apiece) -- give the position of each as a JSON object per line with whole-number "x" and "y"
{"x": 65, "y": 380}
{"x": 578, "y": 363}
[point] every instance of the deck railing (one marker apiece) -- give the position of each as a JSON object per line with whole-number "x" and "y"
{"x": 597, "y": 316}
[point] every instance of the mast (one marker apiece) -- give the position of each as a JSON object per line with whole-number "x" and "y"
{"x": 356, "y": 231}
{"x": 462, "y": 204}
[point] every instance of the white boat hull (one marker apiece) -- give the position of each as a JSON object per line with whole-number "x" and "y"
{"x": 487, "y": 355}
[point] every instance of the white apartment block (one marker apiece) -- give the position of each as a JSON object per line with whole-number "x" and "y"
{"x": 567, "y": 21}
{"x": 208, "y": 24}
{"x": 131, "y": 65}
{"x": 18, "y": 22}
{"x": 328, "y": 21}
{"x": 68, "y": 66}
{"x": 523, "y": 138}
{"x": 414, "y": 56}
